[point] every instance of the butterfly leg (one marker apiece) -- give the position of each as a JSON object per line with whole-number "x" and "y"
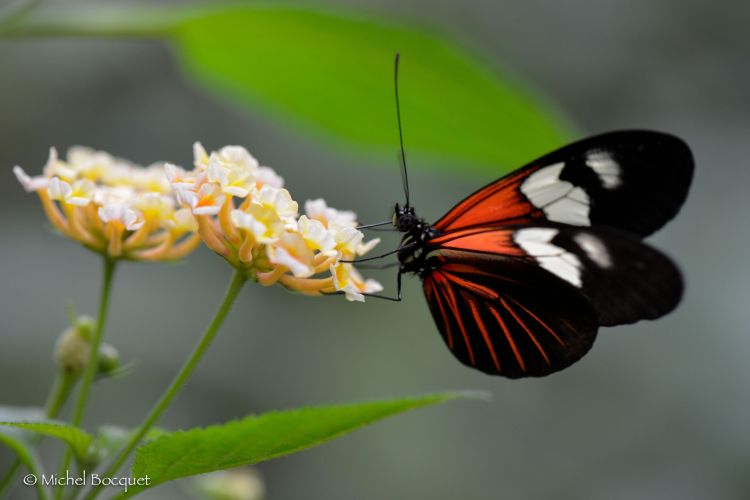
{"x": 379, "y": 267}
{"x": 408, "y": 246}
{"x": 397, "y": 298}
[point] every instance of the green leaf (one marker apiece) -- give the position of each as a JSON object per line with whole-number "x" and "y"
{"x": 334, "y": 72}
{"x": 258, "y": 438}
{"x": 20, "y": 414}
{"x": 110, "y": 439}
{"x": 75, "y": 437}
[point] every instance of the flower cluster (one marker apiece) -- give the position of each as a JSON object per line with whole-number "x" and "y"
{"x": 245, "y": 215}
{"x": 112, "y": 206}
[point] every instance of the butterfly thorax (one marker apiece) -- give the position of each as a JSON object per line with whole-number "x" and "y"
{"x": 417, "y": 232}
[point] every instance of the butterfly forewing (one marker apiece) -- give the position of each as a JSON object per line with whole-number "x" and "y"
{"x": 506, "y": 316}
{"x": 630, "y": 180}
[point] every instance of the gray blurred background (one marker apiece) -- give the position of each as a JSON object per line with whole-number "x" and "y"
{"x": 655, "y": 411}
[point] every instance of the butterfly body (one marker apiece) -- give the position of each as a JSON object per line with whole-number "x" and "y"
{"x": 417, "y": 234}
{"x": 520, "y": 275}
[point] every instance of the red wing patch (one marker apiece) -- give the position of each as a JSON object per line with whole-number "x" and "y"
{"x": 483, "y": 239}
{"x": 509, "y": 318}
{"x": 499, "y": 202}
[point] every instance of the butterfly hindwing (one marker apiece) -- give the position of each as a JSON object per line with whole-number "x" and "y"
{"x": 506, "y": 316}
{"x": 625, "y": 279}
{"x": 630, "y": 180}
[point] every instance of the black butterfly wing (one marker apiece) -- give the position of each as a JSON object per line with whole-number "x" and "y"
{"x": 505, "y": 316}
{"x": 630, "y": 180}
{"x": 624, "y": 279}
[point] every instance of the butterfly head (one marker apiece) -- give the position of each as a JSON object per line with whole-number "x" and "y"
{"x": 404, "y": 218}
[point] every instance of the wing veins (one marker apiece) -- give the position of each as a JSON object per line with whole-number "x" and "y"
{"x": 509, "y": 338}
{"x": 483, "y": 330}
{"x": 453, "y": 304}
{"x": 562, "y": 343}
{"x": 526, "y": 329}
{"x": 446, "y": 319}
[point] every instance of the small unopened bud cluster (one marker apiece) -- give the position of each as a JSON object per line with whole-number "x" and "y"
{"x": 73, "y": 349}
{"x": 236, "y": 484}
{"x": 112, "y": 206}
{"x": 245, "y": 215}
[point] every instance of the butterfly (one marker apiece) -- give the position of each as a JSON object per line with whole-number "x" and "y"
{"x": 520, "y": 275}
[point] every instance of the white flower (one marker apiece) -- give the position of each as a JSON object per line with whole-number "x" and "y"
{"x": 179, "y": 177}
{"x": 154, "y": 205}
{"x": 319, "y": 210}
{"x": 267, "y": 176}
{"x": 200, "y": 156}
{"x": 363, "y": 248}
{"x": 88, "y": 163}
{"x": 122, "y": 214}
{"x": 316, "y": 234}
{"x": 292, "y": 252}
{"x": 278, "y": 199}
{"x": 79, "y": 194}
{"x": 152, "y": 178}
{"x": 183, "y": 221}
{"x": 82, "y": 194}
{"x": 206, "y": 201}
{"x": 59, "y": 190}
{"x": 235, "y": 179}
{"x": 263, "y": 230}
{"x": 119, "y": 194}
{"x": 237, "y": 155}
{"x": 347, "y": 279}
{"x": 342, "y": 282}
{"x": 126, "y": 197}
{"x": 30, "y": 184}
{"x": 347, "y": 238}
{"x": 57, "y": 168}
{"x": 246, "y": 216}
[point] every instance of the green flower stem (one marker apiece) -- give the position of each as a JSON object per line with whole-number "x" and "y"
{"x": 28, "y": 459}
{"x": 9, "y": 477}
{"x": 63, "y": 385}
{"x": 238, "y": 280}
{"x": 91, "y": 364}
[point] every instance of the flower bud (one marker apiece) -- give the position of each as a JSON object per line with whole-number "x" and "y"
{"x": 74, "y": 345}
{"x": 237, "y": 484}
{"x": 109, "y": 361}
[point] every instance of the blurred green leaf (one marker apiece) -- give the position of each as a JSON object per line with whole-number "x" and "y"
{"x": 110, "y": 439}
{"x": 20, "y": 414}
{"x": 258, "y": 438}
{"x": 75, "y": 437}
{"x": 335, "y": 72}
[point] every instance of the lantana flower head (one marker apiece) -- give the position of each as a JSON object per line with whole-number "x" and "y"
{"x": 245, "y": 215}
{"x": 112, "y": 206}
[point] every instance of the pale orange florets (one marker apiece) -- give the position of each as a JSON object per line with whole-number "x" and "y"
{"x": 112, "y": 206}
{"x": 245, "y": 215}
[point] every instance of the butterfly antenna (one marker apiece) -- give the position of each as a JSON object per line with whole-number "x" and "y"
{"x": 404, "y": 174}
